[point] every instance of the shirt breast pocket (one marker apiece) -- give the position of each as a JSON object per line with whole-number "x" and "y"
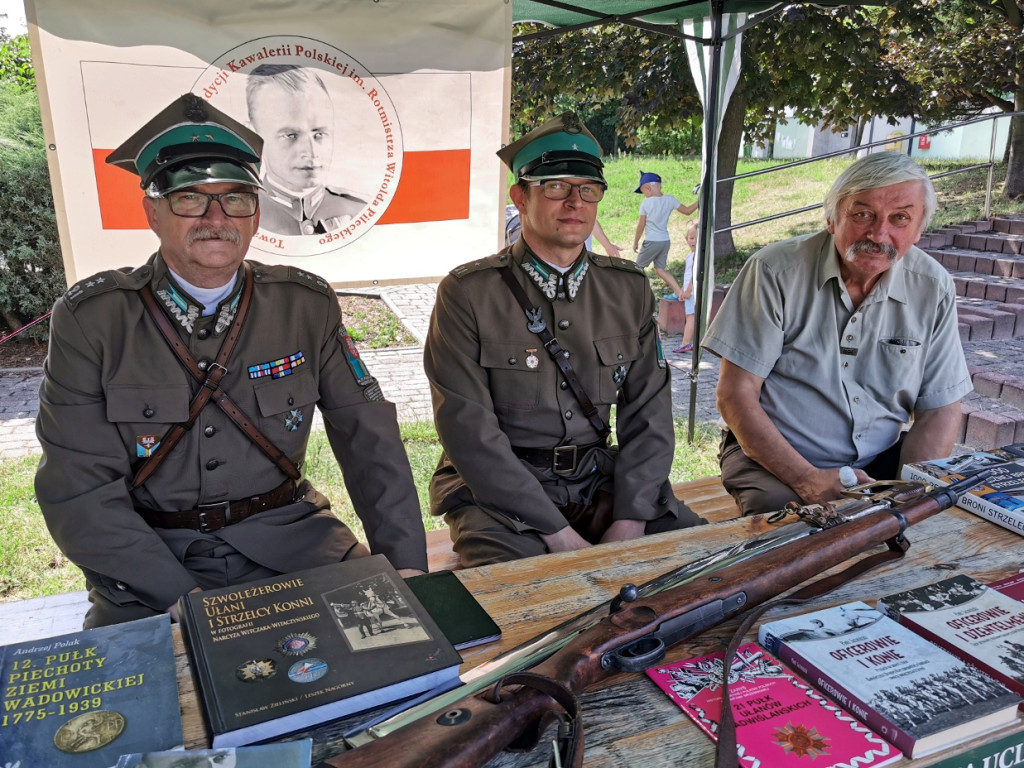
{"x": 513, "y": 382}
{"x": 900, "y": 361}
{"x": 286, "y": 408}
{"x": 616, "y": 355}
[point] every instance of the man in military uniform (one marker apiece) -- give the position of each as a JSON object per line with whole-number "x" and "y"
{"x": 527, "y": 465}
{"x": 289, "y": 107}
{"x": 178, "y": 396}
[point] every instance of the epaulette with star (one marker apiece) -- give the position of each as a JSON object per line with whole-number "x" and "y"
{"x": 126, "y": 278}
{"x": 280, "y": 273}
{"x": 627, "y": 264}
{"x": 490, "y": 262}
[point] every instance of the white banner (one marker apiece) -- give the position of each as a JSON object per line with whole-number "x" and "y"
{"x": 409, "y": 100}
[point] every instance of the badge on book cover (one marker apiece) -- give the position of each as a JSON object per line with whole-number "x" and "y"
{"x": 145, "y": 445}
{"x": 307, "y": 671}
{"x": 256, "y": 670}
{"x": 89, "y": 731}
{"x": 296, "y": 644}
{"x": 531, "y": 359}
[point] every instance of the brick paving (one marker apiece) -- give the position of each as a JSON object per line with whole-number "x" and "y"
{"x": 990, "y": 308}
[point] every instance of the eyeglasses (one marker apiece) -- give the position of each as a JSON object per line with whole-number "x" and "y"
{"x": 192, "y": 204}
{"x": 556, "y": 189}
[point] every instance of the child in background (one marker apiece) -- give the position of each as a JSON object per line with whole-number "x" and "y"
{"x": 654, "y": 213}
{"x": 687, "y": 294}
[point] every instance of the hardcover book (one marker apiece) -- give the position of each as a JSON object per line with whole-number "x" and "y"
{"x": 913, "y": 693}
{"x": 1011, "y": 585}
{"x": 285, "y": 654}
{"x": 459, "y": 615}
{"x": 999, "y": 498}
{"x": 780, "y": 720}
{"x": 982, "y": 626}
{"x": 84, "y": 698}
{"x": 283, "y": 754}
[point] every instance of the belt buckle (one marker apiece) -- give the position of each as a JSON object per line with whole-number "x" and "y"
{"x": 202, "y": 509}
{"x": 556, "y": 459}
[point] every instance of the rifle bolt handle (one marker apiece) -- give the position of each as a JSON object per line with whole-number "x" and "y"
{"x": 628, "y": 593}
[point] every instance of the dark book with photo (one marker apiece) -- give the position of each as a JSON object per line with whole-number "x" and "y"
{"x": 85, "y": 698}
{"x": 285, "y": 654}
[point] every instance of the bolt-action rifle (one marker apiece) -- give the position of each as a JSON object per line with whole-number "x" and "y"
{"x": 633, "y": 633}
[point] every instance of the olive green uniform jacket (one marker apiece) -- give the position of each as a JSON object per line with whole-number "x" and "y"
{"x": 495, "y": 386}
{"x": 113, "y": 387}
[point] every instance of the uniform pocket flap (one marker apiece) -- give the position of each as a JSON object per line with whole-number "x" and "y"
{"x": 287, "y": 393}
{"x": 617, "y": 350}
{"x": 164, "y": 405}
{"x": 510, "y": 355}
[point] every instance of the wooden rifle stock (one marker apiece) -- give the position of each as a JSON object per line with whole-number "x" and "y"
{"x": 479, "y": 726}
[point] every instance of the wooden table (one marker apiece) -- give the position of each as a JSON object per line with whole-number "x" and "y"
{"x": 627, "y": 720}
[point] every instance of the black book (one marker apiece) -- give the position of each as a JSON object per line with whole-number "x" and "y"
{"x": 462, "y": 619}
{"x": 285, "y": 654}
{"x": 84, "y": 698}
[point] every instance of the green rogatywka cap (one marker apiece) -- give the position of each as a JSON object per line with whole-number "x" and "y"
{"x": 189, "y": 143}
{"x": 560, "y": 148}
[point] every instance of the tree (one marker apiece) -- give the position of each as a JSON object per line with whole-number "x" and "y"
{"x": 16, "y": 61}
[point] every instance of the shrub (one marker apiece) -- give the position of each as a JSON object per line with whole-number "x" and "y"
{"x": 31, "y": 267}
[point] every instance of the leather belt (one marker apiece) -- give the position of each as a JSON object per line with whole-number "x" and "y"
{"x": 562, "y": 459}
{"x": 212, "y": 517}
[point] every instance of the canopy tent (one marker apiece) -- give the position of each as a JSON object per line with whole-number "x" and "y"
{"x": 712, "y": 31}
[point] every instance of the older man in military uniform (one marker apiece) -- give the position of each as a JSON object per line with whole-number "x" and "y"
{"x": 289, "y": 106}
{"x": 178, "y": 396}
{"x": 527, "y": 352}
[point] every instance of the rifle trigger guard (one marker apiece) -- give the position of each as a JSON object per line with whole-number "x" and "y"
{"x": 645, "y": 652}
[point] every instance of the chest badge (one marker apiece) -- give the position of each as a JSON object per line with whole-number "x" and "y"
{"x": 293, "y": 420}
{"x": 619, "y": 374}
{"x": 531, "y": 358}
{"x": 536, "y": 322}
{"x": 145, "y": 445}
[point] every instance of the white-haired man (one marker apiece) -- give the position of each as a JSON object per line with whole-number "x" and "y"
{"x": 840, "y": 349}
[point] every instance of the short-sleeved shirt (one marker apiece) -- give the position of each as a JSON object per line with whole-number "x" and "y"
{"x": 841, "y": 382}
{"x": 657, "y": 210}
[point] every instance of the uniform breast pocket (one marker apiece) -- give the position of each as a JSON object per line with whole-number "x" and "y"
{"x": 616, "y": 355}
{"x": 514, "y": 372}
{"x": 143, "y": 414}
{"x": 286, "y": 408}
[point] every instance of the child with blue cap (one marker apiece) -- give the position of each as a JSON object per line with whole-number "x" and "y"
{"x": 654, "y": 213}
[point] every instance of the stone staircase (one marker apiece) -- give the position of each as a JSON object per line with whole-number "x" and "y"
{"x": 986, "y": 260}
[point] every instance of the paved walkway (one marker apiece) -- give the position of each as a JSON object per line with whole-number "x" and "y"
{"x": 400, "y": 372}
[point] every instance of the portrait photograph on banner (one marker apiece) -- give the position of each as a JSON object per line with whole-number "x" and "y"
{"x": 379, "y": 122}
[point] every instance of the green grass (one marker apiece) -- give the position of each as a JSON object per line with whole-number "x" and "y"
{"x": 31, "y": 565}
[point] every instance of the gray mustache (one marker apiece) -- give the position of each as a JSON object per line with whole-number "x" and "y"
{"x": 204, "y": 232}
{"x": 866, "y": 246}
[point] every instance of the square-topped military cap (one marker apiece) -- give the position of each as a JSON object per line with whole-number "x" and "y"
{"x": 189, "y": 143}
{"x": 561, "y": 148}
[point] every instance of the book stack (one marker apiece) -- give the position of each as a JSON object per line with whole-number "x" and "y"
{"x": 999, "y": 498}
{"x": 285, "y": 654}
{"x": 916, "y": 695}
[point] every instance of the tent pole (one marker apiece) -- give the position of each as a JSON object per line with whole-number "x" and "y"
{"x": 706, "y": 200}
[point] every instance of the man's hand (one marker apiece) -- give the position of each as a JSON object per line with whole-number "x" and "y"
{"x": 623, "y": 530}
{"x": 172, "y": 610}
{"x": 564, "y": 540}
{"x": 820, "y": 485}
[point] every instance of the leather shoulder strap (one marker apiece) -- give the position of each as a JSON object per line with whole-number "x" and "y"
{"x": 537, "y": 325}
{"x": 210, "y": 379}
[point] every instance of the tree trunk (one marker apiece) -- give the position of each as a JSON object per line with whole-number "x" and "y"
{"x": 728, "y": 154}
{"x": 1014, "y": 186}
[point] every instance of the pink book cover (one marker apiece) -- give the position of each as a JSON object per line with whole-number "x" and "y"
{"x": 780, "y": 720}
{"x": 1011, "y": 585}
